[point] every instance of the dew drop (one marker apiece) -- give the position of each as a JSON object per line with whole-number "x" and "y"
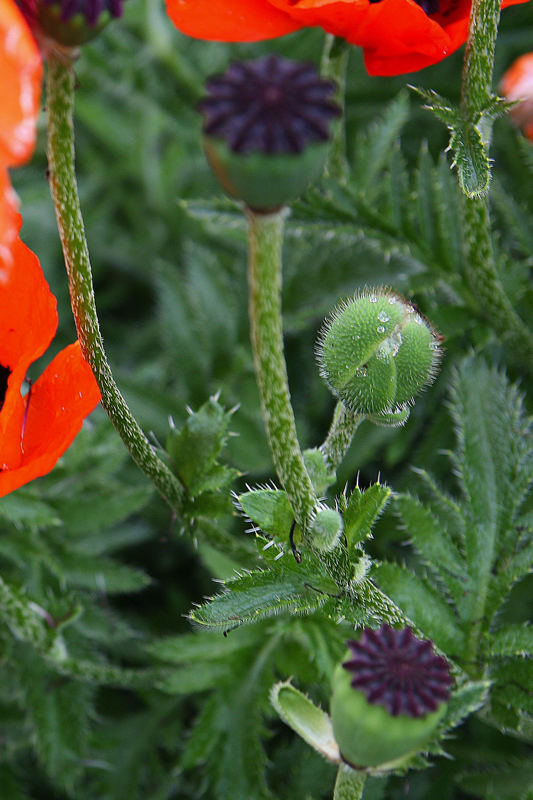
{"x": 383, "y": 316}
{"x": 380, "y": 329}
{"x": 434, "y": 346}
{"x": 361, "y": 372}
{"x": 373, "y": 299}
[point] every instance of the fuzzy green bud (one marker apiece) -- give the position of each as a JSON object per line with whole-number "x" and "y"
{"x": 326, "y": 529}
{"x": 389, "y": 695}
{"x": 376, "y": 352}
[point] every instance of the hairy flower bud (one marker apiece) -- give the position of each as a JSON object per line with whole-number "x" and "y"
{"x": 389, "y": 695}
{"x": 326, "y": 529}
{"x": 376, "y": 352}
{"x": 266, "y": 129}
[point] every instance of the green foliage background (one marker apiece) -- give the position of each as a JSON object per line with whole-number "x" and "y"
{"x": 130, "y": 702}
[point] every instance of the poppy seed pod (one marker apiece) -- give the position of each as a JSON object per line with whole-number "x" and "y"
{"x": 266, "y": 129}
{"x": 376, "y": 352}
{"x": 69, "y": 23}
{"x": 389, "y": 694}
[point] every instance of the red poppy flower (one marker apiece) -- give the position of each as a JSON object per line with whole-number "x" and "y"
{"x": 517, "y": 84}
{"x": 21, "y": 71}
{"x": 35, "y": 430}
{"x": 397, "y": 36}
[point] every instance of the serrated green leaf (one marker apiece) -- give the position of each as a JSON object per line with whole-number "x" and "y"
{"x": 270, "y": 510}
{"x": 424, "y": 605}
{"x": 203, "y": 646}
{"x": 514, "y": 640}
{"x": 194, "y": 448}
{"x": 23, "y": 510}
{"x": 464, "y": 700}
{"x": 470, "y": 158}
{"x": 434, "y": 545}
{"x": 255, "y": 596}
{"x": 362, "y": 510}
{"x": 500, "y": 781}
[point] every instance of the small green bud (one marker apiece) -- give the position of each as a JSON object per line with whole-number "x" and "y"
{"x": 326, "y": 529}
{"x": 389, "y": 695}
{"x": 376, "y": 352}
{"x": 266, "y": 129}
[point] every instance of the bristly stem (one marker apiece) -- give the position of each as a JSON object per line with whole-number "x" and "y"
{"x": 61, "y": 162}
{"x": 265, "y": 278}
{"x": 341, "y": 432}
{"x": 349, "y": 784}
{"x": 333, "y": 66}
{"x": 480, "y": 266}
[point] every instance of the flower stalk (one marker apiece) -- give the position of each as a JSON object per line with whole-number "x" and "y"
{"x": 333, "y": 67}
{"x": 476, "y": 95}
{"x": 341, "y": 432}
{"x": 265, "y": 280}
{"x": 349, "y": 784}
{"x": 61, "y": 161}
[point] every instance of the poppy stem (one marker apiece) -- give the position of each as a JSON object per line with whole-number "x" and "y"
{"x": 343, "y": 427}
{"x": 333, "y": 66}
{"x": 480, "y": 264}
{"x": 265, "y": 248}
{"x": 349, "y": 784}
{"x": 63, "y": 185}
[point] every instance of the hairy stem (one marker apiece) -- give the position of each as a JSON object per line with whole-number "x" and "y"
{"x": 265, "y": 246}
{"x": 480, "y": 266}
{"x": 343, "y": 427}
{"x": 61, "y": 161}
{"x": 333, "y": 66}
{"x": 349, "y": 784}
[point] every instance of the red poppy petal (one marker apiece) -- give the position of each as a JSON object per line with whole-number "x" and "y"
{"x": 230, "y": 20}
{"x": 28, "y": 322}
{"x": 28, "y": 309}
{"x": 21, "y": 71}
{"x": 60, "y": 400}
{"x": 397, "y": 35}
{"x": 9, "y": 224}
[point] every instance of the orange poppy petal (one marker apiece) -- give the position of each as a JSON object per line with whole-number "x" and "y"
{"x": 9, "y": 224}
{"x": 230, "y": 20}
{"x": 60, "y": 400}
{"x": 21, "y": 71}
{"x": 28, "y": 322}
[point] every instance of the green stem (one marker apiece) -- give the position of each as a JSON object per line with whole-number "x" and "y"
{"x": 61, "y": 161}
{"x": 265, "y": 246}
{"x": 333, "y": 66}
{"x": 349, "y": 784}
{"x": 480, "y": 267}
{"x": 343, "y": 427}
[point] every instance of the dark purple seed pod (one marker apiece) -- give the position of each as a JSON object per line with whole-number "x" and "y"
{"x": 69, "y": 23}
{"x": 389, "y": 694}
{"x": 266, "y": 128}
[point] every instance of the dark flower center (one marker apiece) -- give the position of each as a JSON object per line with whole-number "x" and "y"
{"x": 5, "y": 372}
{"x": 272, "y": 105}
{"x": 90, "y": 9}
{"x": 429, "y": 6}
{"x": 398, "y": 671}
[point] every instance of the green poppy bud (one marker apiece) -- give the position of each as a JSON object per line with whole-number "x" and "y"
{"x": 389, "y": 694}
{"x": 326, "y": 529}
{"x": 266, "y": 129}
{"x": 376, "y": 352}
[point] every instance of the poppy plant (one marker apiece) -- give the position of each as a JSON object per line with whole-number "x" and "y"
{"x": 397, "y": 36}
{"x": 36, "y": 429}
